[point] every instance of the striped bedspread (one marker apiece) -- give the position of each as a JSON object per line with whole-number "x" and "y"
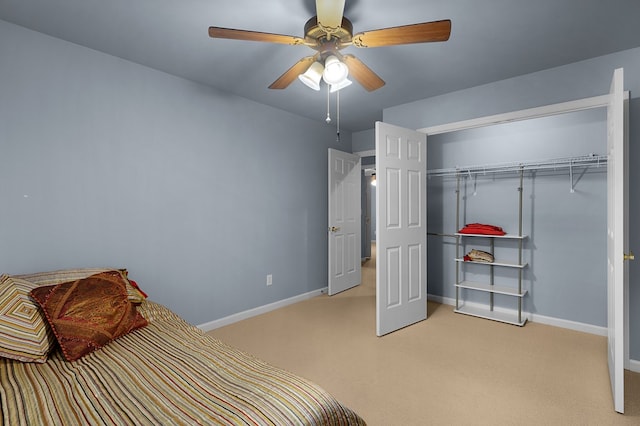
{"x": 168, "y": 373}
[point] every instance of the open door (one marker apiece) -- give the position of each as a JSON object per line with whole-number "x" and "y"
{"x": 344, "y": 221}
{"x": 617, "y": 241}
{"x": 401, "y": 211}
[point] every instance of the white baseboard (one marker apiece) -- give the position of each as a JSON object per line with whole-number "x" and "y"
{"x": 441, "y": 300}
{"x": 571, "y": 325}
{"x": 557, "y": 322}
{"x": 212, "y": 325}
{"x": 633, "y": 365}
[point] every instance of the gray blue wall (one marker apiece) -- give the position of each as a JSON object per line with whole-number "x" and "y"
{"x": 364, "y": 140}
{"x": 200, "y": 194}
{"x": 563, "y": 285}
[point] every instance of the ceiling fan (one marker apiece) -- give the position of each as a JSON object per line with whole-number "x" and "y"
{"x": 328, "y": 33}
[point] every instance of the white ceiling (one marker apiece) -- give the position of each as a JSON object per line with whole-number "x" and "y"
{"x": 490, "y": 40}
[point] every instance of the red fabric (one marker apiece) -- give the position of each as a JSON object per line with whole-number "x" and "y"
{"x": 467, "y": 258}
{"x": 137, "y": 287}
{"x": 482, "y": 229}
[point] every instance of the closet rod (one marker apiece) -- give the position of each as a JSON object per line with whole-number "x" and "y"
{"x": 557, "y": 163}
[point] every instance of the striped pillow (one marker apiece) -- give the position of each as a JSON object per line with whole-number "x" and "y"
{"x": 66, "y": 275}
{"x": 24, "y": 332}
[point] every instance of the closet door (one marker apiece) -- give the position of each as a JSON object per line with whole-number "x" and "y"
{"x": 401, "y": 212}
{"x": 617, "y": 243}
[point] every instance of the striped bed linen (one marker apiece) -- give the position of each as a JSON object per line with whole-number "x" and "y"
{"x": 168, "y": 373}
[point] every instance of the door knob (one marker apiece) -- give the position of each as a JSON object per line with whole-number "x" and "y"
{"x": 630, "y": 256}
{"x": 334, "y": 229}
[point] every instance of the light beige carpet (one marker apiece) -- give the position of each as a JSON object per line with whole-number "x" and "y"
{"x": 450, "y": 369}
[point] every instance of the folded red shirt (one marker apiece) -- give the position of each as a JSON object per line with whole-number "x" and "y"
{"x": 482, "y": 229}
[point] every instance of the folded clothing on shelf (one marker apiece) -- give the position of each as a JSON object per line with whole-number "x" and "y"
{"x": 479, "y": 256}
{"x": 482, "y": 229}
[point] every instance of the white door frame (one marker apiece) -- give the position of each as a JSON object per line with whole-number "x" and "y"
{"x": 524, "y": 114}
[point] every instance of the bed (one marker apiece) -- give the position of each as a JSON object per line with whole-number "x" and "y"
{"x": 160, "y": 371}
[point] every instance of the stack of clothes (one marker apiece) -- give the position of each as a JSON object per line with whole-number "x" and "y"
{"x": 481, "y": 229}
{"x": 478, "y": 256}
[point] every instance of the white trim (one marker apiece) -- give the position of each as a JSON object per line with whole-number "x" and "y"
{"x": 441, "y": 300}
{"x": 370, "y": 153}
{"x": 627, "y": 332}
{"x": 525, "y": 114}
{"x": 634, "y": 366}
{"x": 212, "y": 325}
{"x": 542, "y": 319}
{"x": 571, "y": 325}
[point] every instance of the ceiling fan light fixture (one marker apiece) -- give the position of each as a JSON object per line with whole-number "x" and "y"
{"x": 339, "y": 86}
{"x": 311, "y": 77}
{"x": 335, "y": 72}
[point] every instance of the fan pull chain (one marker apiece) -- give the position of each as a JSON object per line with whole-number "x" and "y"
{"x": 338, "y": 116}
{"x": 328, "y": 120}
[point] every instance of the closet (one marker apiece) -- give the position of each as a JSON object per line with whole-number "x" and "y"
{"x": 506, "y": 251}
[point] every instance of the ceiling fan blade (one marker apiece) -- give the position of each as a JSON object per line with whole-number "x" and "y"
{"x": 362, "y": 73}
{"x": 330, "y": 13}
{"x": 406, "y": 34}
{"x": 292, "y": 73}
{"x": 229, "y": 33}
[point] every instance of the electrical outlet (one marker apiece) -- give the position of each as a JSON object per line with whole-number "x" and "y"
{"x": 269, "y": 279}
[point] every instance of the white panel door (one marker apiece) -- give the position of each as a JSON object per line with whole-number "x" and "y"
{"x": 401, "y": 211}
{"x": 344, "y": 221}
{"x": 617, "y": 242}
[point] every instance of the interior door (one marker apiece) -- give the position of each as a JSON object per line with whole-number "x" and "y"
{"x": 344, "y": 221}
{"x": 401, "y": 211}
{"x": 617, "y": 241}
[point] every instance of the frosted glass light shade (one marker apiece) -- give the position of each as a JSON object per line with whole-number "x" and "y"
{"x": 339, "y": 86}
{"x": 334, "y": 71}
{"x": 311, "y": 77}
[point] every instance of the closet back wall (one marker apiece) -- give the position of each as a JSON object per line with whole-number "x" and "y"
{"x": 200, "y": 194}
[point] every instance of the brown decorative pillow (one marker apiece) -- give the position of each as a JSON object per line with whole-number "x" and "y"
{"x": 88, "y": 313}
